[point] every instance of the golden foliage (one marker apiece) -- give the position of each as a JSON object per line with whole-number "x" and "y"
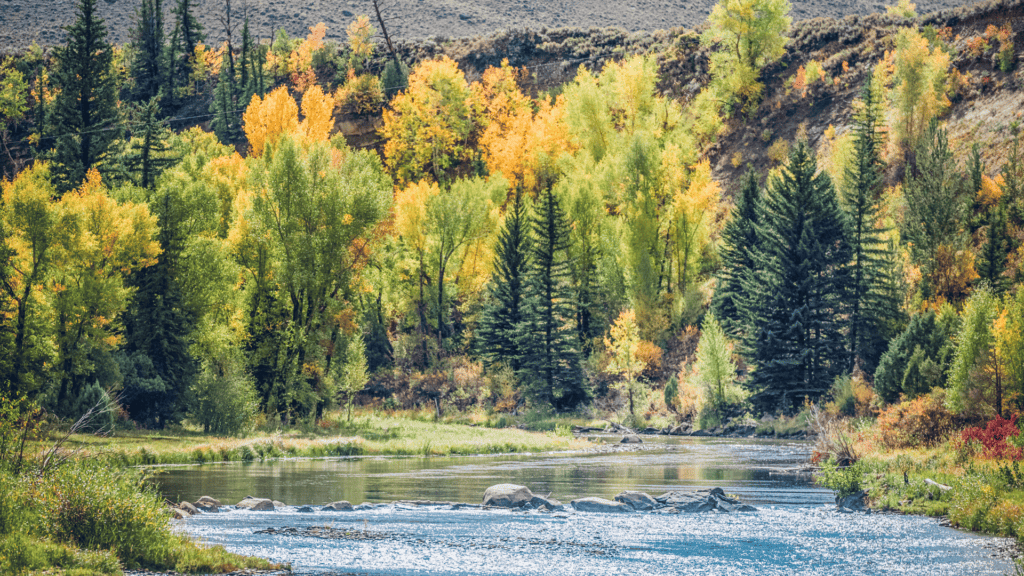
{"x": 267, "y": 119}
{"x": 318, "y": 110}
{"x": 411, "y": 213}
{"x": 991, "y": 190}
{"x": 359, "y": 34}
{"x": 301, "y": 57}
{"x": 954, "y": 272}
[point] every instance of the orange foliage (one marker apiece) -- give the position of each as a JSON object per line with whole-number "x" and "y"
{"x": 800, "y": 81}
{"x": 922, "y": 421}
{"x": 301, "y": 57}
{"x": 954, "y": 272}
{"x": 991, "y": 190}
{"x": 266, "y": 119}
{"x": 517, "y": 139}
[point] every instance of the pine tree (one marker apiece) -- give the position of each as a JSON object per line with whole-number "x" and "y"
{"x": 995, "y": 250}
{"x": 245, "y": 62}
{"x": 85, "y": 110}
{"x": 802, "y": 282}
{"x": 504, "y": 311}
{"x": 155, "y": 362}
{"x": 188, "y": 33}
{"x": 148, "y": 152}
{"x": 224, "y": 122}
{"x": 739, "y": 244}
{"x": 871, "y": 305}
{"x": 147, "y": 65}
{"x": 551, "y": 372}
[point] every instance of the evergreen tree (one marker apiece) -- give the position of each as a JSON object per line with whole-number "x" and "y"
{"x": 917, "y": 360}
{"x": 739, "y": 246}
{"x": 245, "y": 62}
{"x": 147, "y": 66}
{"x": 871, "y": 305}
{"x": 504, "y": 311}
{"x": 802, "y": 281}
{"x": 148, "y": 153}
{"x": 155, "y": 363}
{"x": 188, "y": 33}
{"x": 995, "y": 250}
{"x": 224, "y": 122}
{"x": 85, "y": 110}
{"x": 551, "y": 371}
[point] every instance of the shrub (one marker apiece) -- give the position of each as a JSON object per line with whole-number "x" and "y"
{"x": 843, "y": 480}
{"x": 851, "y": 396}
{"x": 778, "y": 152}
{"x": 994, "y": 438}
{"x": 363, "y": 94}
{"x": 394, "y": 79}
{"x": 922, "y": 421}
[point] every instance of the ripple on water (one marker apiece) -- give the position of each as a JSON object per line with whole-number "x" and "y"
{"x": 779, "y": 540}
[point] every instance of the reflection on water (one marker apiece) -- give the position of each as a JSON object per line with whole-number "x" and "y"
{"x": 793, "y": 532}
{"x": 754, "y": 470}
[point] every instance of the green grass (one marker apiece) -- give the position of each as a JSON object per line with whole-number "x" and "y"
{"x": 367, "y": 434}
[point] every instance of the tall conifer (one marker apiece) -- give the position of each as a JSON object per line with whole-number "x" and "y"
{"x": 188, "y": 33}
{"x": 548, "y": 339}
{"x": 802, "y": 282}
{"x": 224, "y": 123}
{"x": 871, "y": 305}
{"x": 84, "y": 115}
{"x": 739, "y": 245}
{"x": 148, "y": 59}
{"x": 504, "y": 312}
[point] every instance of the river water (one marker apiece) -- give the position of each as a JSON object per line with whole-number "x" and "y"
{"x": 796, "y": 530}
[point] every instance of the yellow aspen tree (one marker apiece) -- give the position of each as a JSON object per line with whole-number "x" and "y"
{"x": 267, "y": 119}
{"x": 318, "y": 110}
{"x": 622, "y": 346}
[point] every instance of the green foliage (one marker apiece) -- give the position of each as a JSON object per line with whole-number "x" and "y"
{"x": 975, "y": 374}
{"x": 148, "y": 50}
{"x": 843, "y": 480}
{"x": 187, "y": 34}
{"x": 715, "y": 372}
{"x": 225, "y": 122}
{"x": 147, "y": 153}
{"x": 85, "y": 108}
{"x": 917, "y": 359}
{"x": 799, "y": 293}
{"x": 740, "y": 241}
{"x": 748, "y": 34}
{"x": 394, "y": 79}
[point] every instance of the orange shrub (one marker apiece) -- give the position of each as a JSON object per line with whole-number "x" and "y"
{"x": 922, "y": 421}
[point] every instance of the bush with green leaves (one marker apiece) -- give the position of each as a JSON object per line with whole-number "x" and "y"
{"x": 843, "y": 480}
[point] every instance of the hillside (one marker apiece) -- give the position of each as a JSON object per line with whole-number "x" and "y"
{"x": 24, "y": 21}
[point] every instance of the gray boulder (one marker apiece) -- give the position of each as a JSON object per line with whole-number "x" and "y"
{"x": 853, "y": 502}
{"x": 507, "y": 496}
{"x": 185, "y": 506}
{"x": 631, "y": 439}
{"x": 207, "y": 501}
{"x": 279, "y": 504}
{"x": 179, "y": 514}
{"x": 255, "y": 504}
{"x": 305, "y": 509}
{"x": 599, "y": 505}
{"x": 541, "y": 503}
{"x": 703, "y": 501}
{"x": 638, "y": 501}
{"x": 339, "y": 506}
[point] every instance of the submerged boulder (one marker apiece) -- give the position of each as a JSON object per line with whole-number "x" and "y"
{"x": 305, "y": 509}
{"x": 541, "y": 503}
{"x": 507, "y": 496}
{"x": 339, "y": 506}
{"x": 853, "y": 502}
{"x": 185, "y": 506}
{"x": 703, "y": 501}
{"x": 255, "y": 504}
{"x": 631, "y": 439}
{"x": 639, "y": 501}
{"x": 599, "y": 505}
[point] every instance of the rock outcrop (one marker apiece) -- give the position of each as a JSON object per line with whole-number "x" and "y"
{"x": 639, "y": 501}
{"x": 255, "y": 504}
{"x": 507, "y": 496}
{"x": 599, "y": 505}
{"x": 339, "y": 506}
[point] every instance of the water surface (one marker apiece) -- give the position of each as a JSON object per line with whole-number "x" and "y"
{"x": 795, "y": 530}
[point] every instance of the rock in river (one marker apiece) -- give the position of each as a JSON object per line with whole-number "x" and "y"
{"x": 639, "y": 501}
{"x": 507, "y": 496}
{"x": 339, "y": 506}
{"x": 599, "y": 505}
{"x": 703, "y": 501}
{"x": 631, "y": 439}
{"x": 255, "y": 504}
{"x": 192, "y": 510}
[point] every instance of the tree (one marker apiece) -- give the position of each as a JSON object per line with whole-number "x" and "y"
{"x": 800, "y": 286}
{"x": 937, "y": 201}
{"x": 752, "y": 34}
{"x": 13, "y": 105}
{"x": 714, "y": 371}
{"x": 871, "y": 306}
{"x": 149, "y": 51}
{"x": 503, "y": 313}
{"x": 917, "y": 360}
{"x": 916, "y": 72}
{"x": 223, "y": 105}
{"x": 148, "y": 153}
{"x": 430, "y": 128}
{"x": 740, "y": 244}
{"x": 977, "y": 374}
{"x": 623, "y": 347}
{"x": 85, "y": 109}
{"x": 267, "y": 119}
{"x": 188, "y": 33}
{"x": 551, "y": 367}
{"x": 995, "y": 250}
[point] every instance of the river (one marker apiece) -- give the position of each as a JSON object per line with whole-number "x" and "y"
{"x": 796, "y": 530}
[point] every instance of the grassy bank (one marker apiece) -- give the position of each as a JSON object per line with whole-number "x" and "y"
{"x": 365, "y": 434}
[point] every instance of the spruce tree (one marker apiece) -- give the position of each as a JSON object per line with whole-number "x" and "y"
{"x": 504, "y": 310}
{"x": 224, "y": 122}
{"x": 551, "y": 372}
{"x": 147, "y": 66}
{"x": 995, "y": 250}
{"x": 802, "y": 282}
{"x": 147, "y": 153}
{"x": 155, "y": 362}
{"x": 188, "y": 33}
{"x": 871, "y": 305}
{"x": 85, "y": 109}
{"x": 739, "y": 245}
